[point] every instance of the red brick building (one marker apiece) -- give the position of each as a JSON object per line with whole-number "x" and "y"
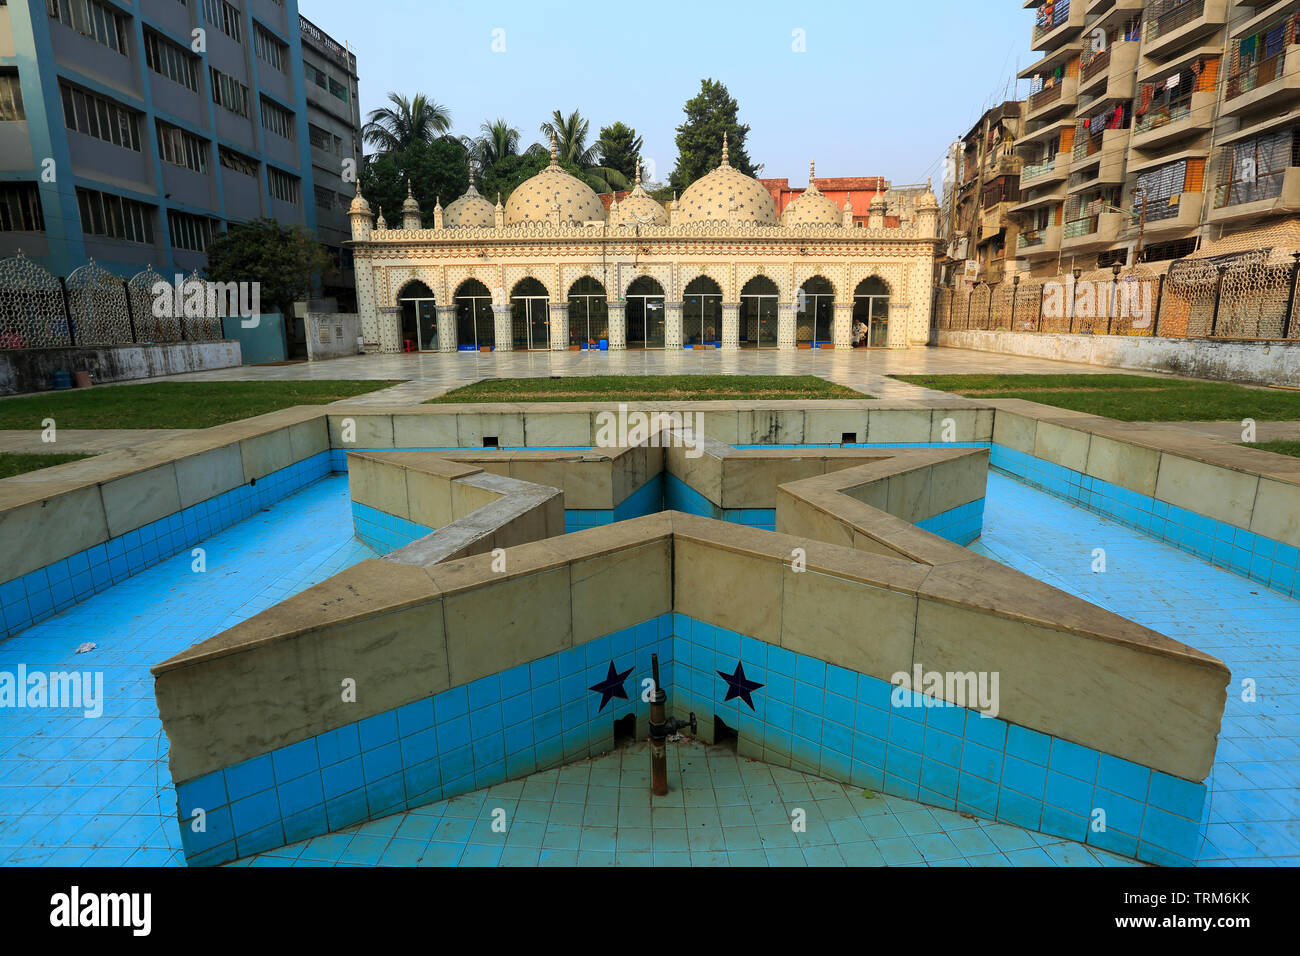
{"x": 860, "y": 189}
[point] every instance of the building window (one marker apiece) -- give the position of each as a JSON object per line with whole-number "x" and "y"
{"x": 277, "y": 119}
{"x": 338, "y": 89}
{"x": 1159, "y": 191}
{"x": 112, "y": 217}
{"x": 182, "y": 148}
{"x": 11, "y": 97}
{"x": 269, "y": 47}
{"x": 171, "y": 60}
{"x": 224, "y": 17}
{"x": 324, "y": 198}
{"x": 99, "y": 117}
{"x": 316, "y": 76}
{"x": 229, "y": 92}
{"x": 1254, "y": 169}
{"x": 190, "y": 232}
{"x": 324, "y": 140}
{"x": 20, "y": 208}
{"x": 283, "y": 186}
{"x": 236, "y": 161}
{"x": 91, "y": 18}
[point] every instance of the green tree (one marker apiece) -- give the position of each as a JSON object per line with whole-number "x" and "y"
{"x": 570, "y": 135}
{"x": 419, "y": 119}
{"x": 619, "y": 147}
{"x": 437, "y": 171}
{"x": 286, "y": 262}
{"x": 497, "y": 141}
{"x": 709, "y": 114}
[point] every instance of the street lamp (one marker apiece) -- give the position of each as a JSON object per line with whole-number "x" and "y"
{"x": 1015, "y": 288}
{"x": 1074, "y": 295}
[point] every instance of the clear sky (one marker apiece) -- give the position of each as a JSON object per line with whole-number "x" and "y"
{"x": 881, "y": 88}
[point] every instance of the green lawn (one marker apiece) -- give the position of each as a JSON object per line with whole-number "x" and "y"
{"x": 1128, "y": 398}
{"x": 11, "y": 464}
{"x": 657, "y": 388}
{"x": 171, "y": 404}
{"x": 1291, "y": 448}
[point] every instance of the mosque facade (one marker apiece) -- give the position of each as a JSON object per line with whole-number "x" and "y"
{"x": 718, "y": 268}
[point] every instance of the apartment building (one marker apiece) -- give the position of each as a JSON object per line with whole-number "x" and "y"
{"x": 133, "y": 131}
{"x": 1154, "y": 127}
{"x": 334, "y": 138}
{"x": 981, "y": 231}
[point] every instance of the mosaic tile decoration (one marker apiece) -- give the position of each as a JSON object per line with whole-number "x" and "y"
{"x": 34, "y": 597}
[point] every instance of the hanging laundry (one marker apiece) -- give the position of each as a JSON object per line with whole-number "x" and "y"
{"x": 1148, "y": 91}
{"x": 1173, "y": 81}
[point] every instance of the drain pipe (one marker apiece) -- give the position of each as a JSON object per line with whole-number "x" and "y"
{"x": 660, "y": 729}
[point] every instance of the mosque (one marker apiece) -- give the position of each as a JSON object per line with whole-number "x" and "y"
{"x": 553, "y": 269}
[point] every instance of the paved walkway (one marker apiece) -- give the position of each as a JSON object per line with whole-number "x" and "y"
{"x": 431, "y": 373}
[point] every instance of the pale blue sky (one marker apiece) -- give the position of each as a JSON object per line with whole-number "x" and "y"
{"x": 881, "y": 90}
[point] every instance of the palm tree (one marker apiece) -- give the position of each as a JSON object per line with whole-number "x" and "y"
{"x": 415, "y": 120}
{"x": 570, "y": 136}
{"x": 498, "y": 140}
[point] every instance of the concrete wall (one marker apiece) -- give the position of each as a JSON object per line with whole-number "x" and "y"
{"x": 32, "y": 370}
{"x": 1268, "y": 363}
{"x": 332, "y": 334}
{"x": 261, "y": 342}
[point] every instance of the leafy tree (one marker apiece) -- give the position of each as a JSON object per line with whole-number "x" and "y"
{"x": 498, "y": 140}
{"x": 415, "y": 120}
{"x": 570, "y": 135}
{"x": 436, "y": 170}
{"x": 285, "y": 262}
{"x": 619, "y": 147}
{"x": 709, "y": 114}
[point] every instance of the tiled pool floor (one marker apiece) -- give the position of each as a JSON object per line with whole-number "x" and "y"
{"x": 1253, "y": 811}
{"x": 721, "y": 810}
{"x": 97, "y": 792}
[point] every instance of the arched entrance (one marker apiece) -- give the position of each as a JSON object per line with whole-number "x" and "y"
{"x": 871, "y": 313}
{"x": 588, "y": 314}
{"x": 702, "y": 313}
{"x": 645, "y": 314}
{"x": 758, "y": 305}
{"x": 530, "y": 315}
{"x": 474, "y": 325}
{"x": 814, "y": 310}
{"x": 419, "y": 317}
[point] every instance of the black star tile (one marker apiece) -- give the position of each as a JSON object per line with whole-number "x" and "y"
{"x": 611, "y": 686}
{"x": 739, "y": 686}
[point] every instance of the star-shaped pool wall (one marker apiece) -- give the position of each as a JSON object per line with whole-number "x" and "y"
{"x": 739, "y": 686}
{"x": 611, "y": 686}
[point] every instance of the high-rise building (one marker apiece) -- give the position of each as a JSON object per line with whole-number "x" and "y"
{"x": 1156, "y": 126}
{"x": 133, "y": 131}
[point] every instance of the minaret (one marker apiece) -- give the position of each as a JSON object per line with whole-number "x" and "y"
{"x": 381, "y": 222}
{"x": 410, "y": 210}
{"x": 725, "y": 160}
{"x": 359, "y": 215}
{"x": 500, "y": 213}
{"x": 437, "y": 212}
{"x": 847, "y": 220}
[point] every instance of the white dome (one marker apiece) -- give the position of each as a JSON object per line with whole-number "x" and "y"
{"x": 811, "y": 207}
{"x": 726, "y": 195}
{"x": 536, "y": 199}
{"x": 470, "y": 211}
{"x": 640, "y": 207}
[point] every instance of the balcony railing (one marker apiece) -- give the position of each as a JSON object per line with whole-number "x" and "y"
{"x": 1060, "y": 15}
{"x": 1035, "y": 238}
{"x": 1096, "y": 66}
{"x": 1263, "y": 186}
{"x": 1046, "y": 95}
{"x": 1038, "y": 169}
{"x": 1166, "y": 16}
{"x": 333, "y": 49}
{"x": 1081, "y": 227}
{"x": 1160, "y": 114}
{"x": 1254, "y": 75}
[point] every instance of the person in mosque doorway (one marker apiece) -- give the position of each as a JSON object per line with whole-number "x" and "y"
{"x": 860, "y": 334}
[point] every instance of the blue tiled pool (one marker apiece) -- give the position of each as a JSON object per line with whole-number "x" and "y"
{"x": 84, "y": 792}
